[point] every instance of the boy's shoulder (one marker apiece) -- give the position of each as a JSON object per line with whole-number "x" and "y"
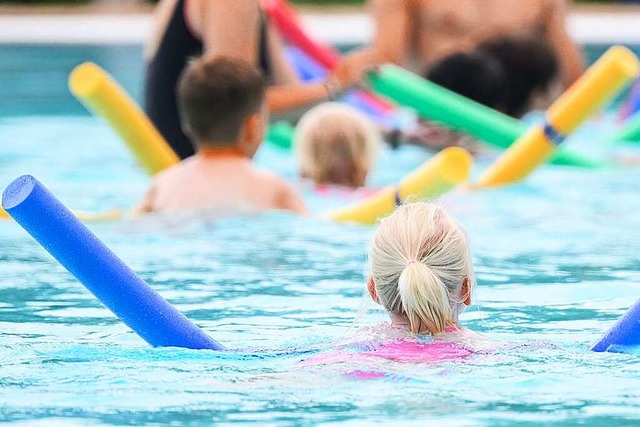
{"x": 268, "y": 176}
{"x": 175, "y": 171}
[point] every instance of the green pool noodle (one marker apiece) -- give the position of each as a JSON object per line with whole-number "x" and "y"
{"x": 280, "y": 134}
{"x": 630, "y": 132}
{"x": 433, "y": 102}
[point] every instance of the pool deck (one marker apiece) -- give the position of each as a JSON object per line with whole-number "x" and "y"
{"x": 121, "y": 22}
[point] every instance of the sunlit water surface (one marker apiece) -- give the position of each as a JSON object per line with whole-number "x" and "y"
{"x": 556, "y": 262}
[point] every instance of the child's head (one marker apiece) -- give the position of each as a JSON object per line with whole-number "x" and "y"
{"x": 531, "y": 69}
{"x": 221, "y": 103}
{"x": 475, "y": 75}
{"x": 421, "y": 270}
{"x": 336, "y": 144}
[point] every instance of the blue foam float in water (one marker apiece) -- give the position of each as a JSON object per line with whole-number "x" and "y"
{"x": 307, "y": 69}
{"x": 624, "y": 335}
{"x": 80, "y": 251}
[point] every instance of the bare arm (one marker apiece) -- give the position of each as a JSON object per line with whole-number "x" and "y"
{"x": 290, "y": 100}
{"x": 571, "y": 59}
{"x": 393, "y": 29}
{"x": 288, "y": 97}
{"x": 283, "y": 72}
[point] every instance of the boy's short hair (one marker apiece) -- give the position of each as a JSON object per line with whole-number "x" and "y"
{"x": 215, "y": 97}
{"x": 530, "y": 64}
{"x": 474, "y": 75}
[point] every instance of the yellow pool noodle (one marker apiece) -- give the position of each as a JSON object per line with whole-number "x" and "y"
{"x": 437, "y": 176}
{"x": 103, "y": 97}
{"x": 84, "y": 216}
{"x": 598, "y": 85}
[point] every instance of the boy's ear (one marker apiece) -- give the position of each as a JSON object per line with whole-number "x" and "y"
{"x": 252, "y": 134}
{"x": 371, "y": 287}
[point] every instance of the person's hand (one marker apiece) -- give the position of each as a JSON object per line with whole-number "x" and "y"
{"x": 352, "y": 69}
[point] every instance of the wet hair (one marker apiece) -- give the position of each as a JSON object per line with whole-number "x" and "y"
{"x": 530, "y": 65}
{"x": 216, "y": 96}
{"x": 336, "y": 144}
{"x": 474, "y": 75}
{"x": 420, "y": 258}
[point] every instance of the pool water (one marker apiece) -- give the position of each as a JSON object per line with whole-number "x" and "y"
{"x": 556, "y": 262}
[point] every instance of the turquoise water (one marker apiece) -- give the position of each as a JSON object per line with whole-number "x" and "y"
{"x": 556, "y": 261}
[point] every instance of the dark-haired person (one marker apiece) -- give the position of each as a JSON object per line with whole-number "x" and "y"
{"x": 234, "y": 28}
{"x": 475, "y": 75}
{"x": 222, "y": 103}
{"x": 418, "y": 33}
{"x": 514, "y": 75}
{"x": 531, "y": 70}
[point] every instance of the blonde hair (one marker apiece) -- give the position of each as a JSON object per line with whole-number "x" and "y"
{"x": 420, "y": 258}
{"x": 336, "y": 144}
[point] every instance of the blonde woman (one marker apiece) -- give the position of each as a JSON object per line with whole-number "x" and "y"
{"x": 336, "y": 146}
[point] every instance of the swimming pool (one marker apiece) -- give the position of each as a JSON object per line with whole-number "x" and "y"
{"x": 556, "y": 261}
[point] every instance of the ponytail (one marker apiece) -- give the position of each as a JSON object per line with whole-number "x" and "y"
{"x": 420, "y": 260}
{"x": 425, "y": 298}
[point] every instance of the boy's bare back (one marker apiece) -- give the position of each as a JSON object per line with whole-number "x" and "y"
{"x": 221, "y": 186}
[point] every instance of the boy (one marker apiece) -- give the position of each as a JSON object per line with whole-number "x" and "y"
{"x": 222, "y": 105}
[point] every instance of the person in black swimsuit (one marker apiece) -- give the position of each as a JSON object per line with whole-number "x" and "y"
{"x": 181, "y": 42}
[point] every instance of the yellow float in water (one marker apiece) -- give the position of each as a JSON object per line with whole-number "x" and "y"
{"x": 443, "y": 172}
{"x": 85, "y": 216}
{"x": 103, "y": 97}
{"x": 597, "y": 86}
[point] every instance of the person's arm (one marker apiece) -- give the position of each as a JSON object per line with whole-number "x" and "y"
{"x": 569, "y": 55}
{"x": 288, "y": 97}
{"x": 231, "y": 28}
{"x": 292, "y": 99}
{"x": 283, "y": 72}
{"x": 393, "y": 29}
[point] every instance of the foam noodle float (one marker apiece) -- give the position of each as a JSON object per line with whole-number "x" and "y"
{"x": 433, "y": 102}
{"x": 632, "y": 104}
{"x": 598, "y": 84}
{"x": 442, "y": 173}
{"x": 624, "y": 334}
{"x": 307, "y": 69}
{"x": 123, "y": 292}
{"x": 630, "y": 132}
{"x": 288, "y": 24}
{"x": 103, "y": 97}
{"x": 281, "y": 135}
{"x": 84, "y": 216}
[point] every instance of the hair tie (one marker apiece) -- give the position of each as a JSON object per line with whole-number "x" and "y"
{"x": 411, "y": 261}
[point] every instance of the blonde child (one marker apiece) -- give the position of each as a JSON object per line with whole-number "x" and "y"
{"x": 336, "y": 145}
{"x": 421, "y": 270}
{"x": 222, "y": 104}
{"x": 421, "y": 273}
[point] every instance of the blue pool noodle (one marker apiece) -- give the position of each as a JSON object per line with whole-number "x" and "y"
{"x": 307, "y": 69}
{"x": 121, "y": 290}
{"x": 625, "y": 333}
